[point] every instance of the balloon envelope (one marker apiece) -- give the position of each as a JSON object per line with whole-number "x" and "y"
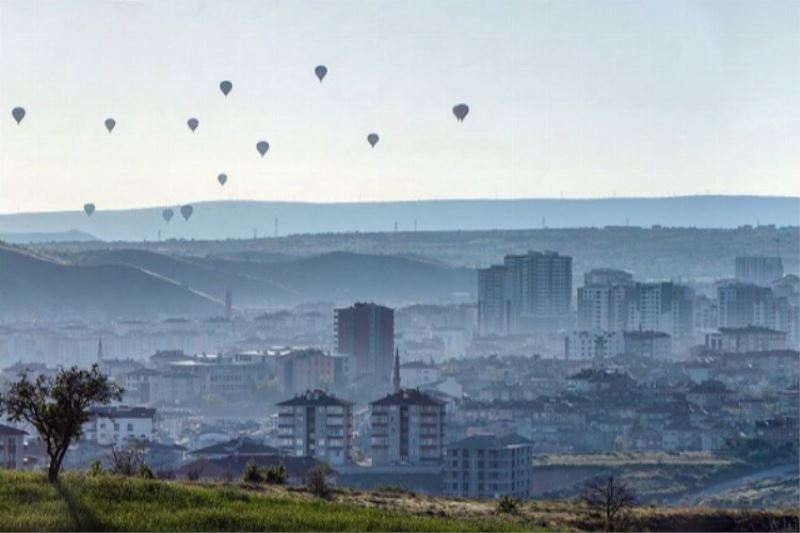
{"x": 460, "y": 111}
{"x": 186, "y": 211}
{"x": 373, "y": 139}
{"x": 110, "y": 123}
{"x": 262, "y": 147}
{"x": 222, "y": 178}
{"x": 18, "y": 113}
{"x": 193, "y": 123}
{"x": 88, "y": 209}
{"x": 167, "y": 214}
{"x": 321, "y": 71}
{"x": 225, "y": 86}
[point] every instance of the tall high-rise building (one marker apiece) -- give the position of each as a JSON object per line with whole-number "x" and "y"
{"x": 494, "y": 300}
{"x": 758, "y": 269}
{"x": 745, "y": 304}
{"x": 317, "y": 425}
{"x": 524, "y": 290}
{"x": 365, "y": 332}
{"x": 605, "y": 300}
{"x": 666, "y": 307}
{"x": 541, "y": 283}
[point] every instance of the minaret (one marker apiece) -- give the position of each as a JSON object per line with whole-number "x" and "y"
{"x": 99, "y": 349}
{"x": 396, "y": 377}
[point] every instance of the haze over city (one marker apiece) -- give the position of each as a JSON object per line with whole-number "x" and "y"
{"x": 399, "y": 266}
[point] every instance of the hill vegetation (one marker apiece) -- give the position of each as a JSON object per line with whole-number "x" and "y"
{"x": 81, "y": 502}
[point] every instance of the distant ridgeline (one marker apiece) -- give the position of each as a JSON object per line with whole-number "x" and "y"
{"x": 244, "y": 219}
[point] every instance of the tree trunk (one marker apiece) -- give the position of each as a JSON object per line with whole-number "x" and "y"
{"x": 52, "y": 471}
{"x": 55, "y": 463}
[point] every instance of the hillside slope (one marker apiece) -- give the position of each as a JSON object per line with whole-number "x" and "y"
{"x": 110, "y": 503}
{"x": 37, "y": 284}
{"x": 337, "y": 276}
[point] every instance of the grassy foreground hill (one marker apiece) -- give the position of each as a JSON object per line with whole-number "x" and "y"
{"x": 104, "y": 502}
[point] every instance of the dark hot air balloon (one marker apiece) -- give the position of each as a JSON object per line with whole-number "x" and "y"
{"x": 373, "y": 139}
{"x": 18, "y": 113}
{"x": 88, "y": 209}
{"x": 460, "y": 111}
{"x": 167, "y": 214}
{"x": 110, "y": 123}
{"x": 262, "y": 147}
{"x": 222, "y": 178}
{"x": 192, "y": 123}
{"x": 186, "y": 211}
{"x": 321, "y": 71}
{"x": 225, "y": 86}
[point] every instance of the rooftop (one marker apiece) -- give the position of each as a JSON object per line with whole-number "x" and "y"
{"x": 408, "y": 397}
{"x": 315, "y": 398}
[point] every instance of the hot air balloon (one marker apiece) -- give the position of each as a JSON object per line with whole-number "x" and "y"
{"x": 321, "y": 71}
{"x": 18, "y": 113}
{"x": 460, "y": 111}
{"x": 222, "y": 178}
{"x": 193, "y": 123}
{"x": 167, "y": 214}
{"x": 110, "y": 123}
{"x": 186, "y": 211}
{"x": 88, "y": 209}
{"x": 373, "y": 139}
{"x": 262, "y": 147}
{"x": 225, "y": 86}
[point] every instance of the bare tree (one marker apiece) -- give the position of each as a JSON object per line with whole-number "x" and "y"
{"x": 58, "y": 407}
{"x": 127, "y": 461}
{"x": 609, "y": 496}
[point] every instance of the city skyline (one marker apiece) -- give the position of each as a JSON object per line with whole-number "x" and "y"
{"x": 566, "y": 99}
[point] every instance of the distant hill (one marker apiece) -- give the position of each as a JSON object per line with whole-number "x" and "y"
{"x": 60, "y": 236}
{"x": 239, "y": 219}
{"x": 649, "y": 253}
{"x": 37, "y": 285}
{"x": 339, "y": 277}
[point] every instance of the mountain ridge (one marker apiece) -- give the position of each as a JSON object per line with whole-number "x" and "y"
{"x": 244, "y": 218}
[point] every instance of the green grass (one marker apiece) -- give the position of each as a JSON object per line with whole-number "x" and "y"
{"x": 110, "y": 503}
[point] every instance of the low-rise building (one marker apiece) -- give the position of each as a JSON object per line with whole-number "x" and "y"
{"x": 11, "y": 447}
{"x": 119, "y": 425}
{"x": 489, "y": 466}
{"x": 746, "y": 339}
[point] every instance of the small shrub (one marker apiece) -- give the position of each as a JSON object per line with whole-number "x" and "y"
{"x": 275, "y": 475}
{"x": 317, "y": 481}
{"x": 96, "y": 468}
{"x": 252, "y": 474}
{"x": 145, "y": 472}
{"x": 194, "y": 474}
{"x": 507, "y": 504}
{"x": 395, "y": 490}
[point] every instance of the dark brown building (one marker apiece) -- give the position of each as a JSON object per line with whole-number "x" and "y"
{"x": 365, "y": 332}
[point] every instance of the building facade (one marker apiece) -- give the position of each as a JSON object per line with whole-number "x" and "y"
{"x": 318, "y": 425}
{"x": 526, "y": 291}
{"x": 11, "y": 447}
{"x": 758, "y": 269}
{"x": 489, "y": 466}
{"x": 120, "y": 425}
{"x": 407, "y": 429}
{"x": 365, "y": 332}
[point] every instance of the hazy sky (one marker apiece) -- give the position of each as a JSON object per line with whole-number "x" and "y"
{"x": 573, "y": 98}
